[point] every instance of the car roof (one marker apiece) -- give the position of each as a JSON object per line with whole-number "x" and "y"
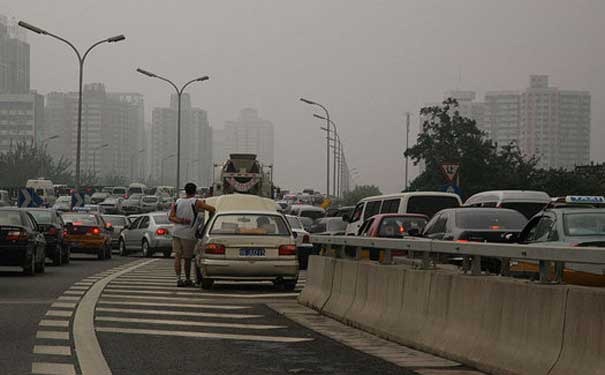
{"x": 249, "y": 212}
{"x": 511, "y": 195}
{"x": 380, "y": 216}
{"x": 575, "y": 210}
{"x": 243, "y": 202}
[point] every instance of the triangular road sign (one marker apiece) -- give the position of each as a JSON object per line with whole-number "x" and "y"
{"x": 450, "y": 170}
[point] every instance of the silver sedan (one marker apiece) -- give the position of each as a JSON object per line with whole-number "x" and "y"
{"x": 149, "y": 233}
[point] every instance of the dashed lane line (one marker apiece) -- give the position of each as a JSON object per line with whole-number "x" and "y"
{"x": 186, "y": 323}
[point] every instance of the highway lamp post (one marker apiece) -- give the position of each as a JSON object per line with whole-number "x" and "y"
{"x": 336, "y": 149}
{"x": 43, "y": 142}
{"x": 81, "y": 58}
{"x": 179, "y": 93}
{"x": 407, "y": 145}
{"x": 310, "y": 102}
{"x": 162, "y": 169}
{"x": 94, "y": 156}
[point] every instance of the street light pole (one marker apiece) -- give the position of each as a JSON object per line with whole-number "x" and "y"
{"x": 81, "y": 58}
{"x": 310, "y": 102}
{"x": 407, "y": 145}
{"x": 179, "y": 93}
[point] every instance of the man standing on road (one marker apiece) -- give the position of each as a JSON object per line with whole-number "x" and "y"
{"x": 183, "y": 214}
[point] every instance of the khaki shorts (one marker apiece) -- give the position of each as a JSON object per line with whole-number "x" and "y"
{"x": 183, "y": 248}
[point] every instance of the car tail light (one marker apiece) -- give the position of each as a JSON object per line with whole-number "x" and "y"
{"x": 287, "y": 250}
{"x": 16, "y": 235}
{"x": 161, "y": 232}
{"x": 306, "y": 239}
{"x": 95, "y": 231}
{"x": 108, "y": 225}
{"x": 216, "y": 249}
{"x": 462, "y": 241}
{"x": 52, "y": 231}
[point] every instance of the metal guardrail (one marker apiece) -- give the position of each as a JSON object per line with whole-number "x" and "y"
{"x": 551, "y": 259}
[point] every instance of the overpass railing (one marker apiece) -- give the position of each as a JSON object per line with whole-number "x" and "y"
{"x": 422, "y": 253}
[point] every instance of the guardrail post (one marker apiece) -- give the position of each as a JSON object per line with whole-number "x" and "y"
{"x": 340, "y": 251}
{"x": 426, "y": 260}
{"x": 476, "y": 265}
{"x": 559, "y": 266}
{"x": 505, "y": 267}
{"x": 357, "y": 252}
{"x": 388, "y": 257}
{"x": 544, "y": 268}
{"x": 466, "y": 263}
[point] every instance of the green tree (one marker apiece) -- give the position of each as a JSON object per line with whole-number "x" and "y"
{"x": 25, "y": 161}
{"x": 358, "y": 193}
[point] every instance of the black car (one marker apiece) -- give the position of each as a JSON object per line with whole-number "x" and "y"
{"x": 21, "y": 242}
{"x": 476, "y": 225}
{"x": 50, "y": 223}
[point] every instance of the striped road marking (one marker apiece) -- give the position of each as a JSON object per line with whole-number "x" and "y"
{"x": 194, "y": 305}
{"x": 204, "y": 335}
{"x": 53, "y": 368}
{"x": 186, "y": 323}
{"x": 177, "y": 313}
{"x": 264, "y": 295}
{"x": 52, "y": 350}
{"x": 54, "y": 323}
{"x": 52, "y": 335}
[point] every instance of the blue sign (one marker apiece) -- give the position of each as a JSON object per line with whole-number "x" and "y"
{"x": 451, "y": 188}
{"x": 77, "y": 199}
{"x": 29, "y": 198}
{"x": 584, "y": 199}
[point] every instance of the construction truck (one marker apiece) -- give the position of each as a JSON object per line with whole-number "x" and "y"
{"x": 243, "y": 174}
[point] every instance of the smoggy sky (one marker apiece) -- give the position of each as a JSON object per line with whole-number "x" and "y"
{"x": 368, "y": 61}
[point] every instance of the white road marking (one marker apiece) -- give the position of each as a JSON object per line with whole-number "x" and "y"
{"x": 177, "y": 313}
{"x": 63, "y": 305}
{"x": 52, "y": 349}
{"x": 59, "y": 313}
{"x": 148, "y": 278}
{"x": 134, "y": 296}
{"x": 79, "y": 288}
{"x": 264, "y": 295}
{"x": 88, "y": 283}
{"x": 53, "y": 368}
{"x": 54, "y": 323}
{"x": 186, "y": 323}
{"x": 75, "y": 292}
{"x": 52, "y": 335}
{"x": 195, "y": 305}
{"x": 203, "y": 335}
{"x": 68, "y": 298}
{"x": 153, "y": 287}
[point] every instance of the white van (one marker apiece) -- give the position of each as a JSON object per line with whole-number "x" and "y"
{"x": 44, "y": 188}
{"x": 527, "y": 202}
{"x": 423, "y": 202}
{"x": 136, "y": 188}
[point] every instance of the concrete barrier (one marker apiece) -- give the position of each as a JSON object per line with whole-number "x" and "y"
{"x": 343, "y": 289}
{"x": 583, "y": 349}
{"x": 320, "y": 275}
{"x": 353, "y": 315}
{"x": 393, "y": 296}
{"x": 368, "y": 315}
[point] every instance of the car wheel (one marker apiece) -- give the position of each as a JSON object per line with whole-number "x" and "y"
{"x": 101, "y": 253}
{"x": 290, "y": 284}
{"x": 167, "y": 253}
{"x": 58, "y": 257}
{"x": 66, "y": 254}
{"x": 123, "y": 250}
{"x": 41, "y": 266}
{"x": 206, "y": 283}
{"x": 146, "y": 249}
{"x": 30, "y": 268}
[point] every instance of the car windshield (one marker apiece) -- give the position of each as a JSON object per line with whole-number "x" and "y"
{"x": 42, "y": 217}
{"x": 115, "y": 220}
{"x": 99, "y": 195}
{"x": 429, "y": 205}
{"x": 161, "y": 219}
{"x": 294, "y": 223}
{"x": 80, "y": 219}
{"x": 135, "y": 197}
{"x": 250, "y": 225}
{"x": 150, "y": 199}
{"x": 584, "y": 224}
{"x": 399, "y": 226}
{"x": 528, "y": 209}
{"x": 489, "y": 219}
{"x": 10, "y": 218}
{"x": 335, "y": 225}
{"x": 312, "y": 214}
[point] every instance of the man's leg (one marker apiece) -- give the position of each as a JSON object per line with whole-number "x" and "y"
{"x": 188, "y": 247}
{"x": 188, "y": 269}
{"x": 177, "y": 247}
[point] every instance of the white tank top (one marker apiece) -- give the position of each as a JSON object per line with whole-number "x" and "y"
{"x": 184, "y": 210}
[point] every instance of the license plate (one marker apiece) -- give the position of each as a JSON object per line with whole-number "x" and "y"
{"x": 252, "y": 252}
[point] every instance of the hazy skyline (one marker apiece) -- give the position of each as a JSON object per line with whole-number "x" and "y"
{"x": 368, "y": 61}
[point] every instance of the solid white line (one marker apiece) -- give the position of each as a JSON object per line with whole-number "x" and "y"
{"x": 203, "y": 335}
{"x": 52, "y": 335}
{"x": 59, "y": 313}
{"x": 90, "y": 356}
{"x": 186, "y": 323}
{"x": 52, "y": 349}
{"x": 53, "y": 368}
{"x": 177, "y": 313}
{"x": 63, "y": 305}
{"x": 54, "y": 323}
{"x": 200, "y": 306}
{"x": 266, "y": 295}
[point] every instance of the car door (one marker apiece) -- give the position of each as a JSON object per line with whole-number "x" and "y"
{"x": 130, "y": 233}
{"x": 138, "y": 235}
{"x": 37, "y": 238}
{"x": 437, "y": 227}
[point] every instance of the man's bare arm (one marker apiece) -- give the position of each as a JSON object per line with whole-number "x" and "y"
{"x": 177, "y": 220}
{"x": 201, "y": 205}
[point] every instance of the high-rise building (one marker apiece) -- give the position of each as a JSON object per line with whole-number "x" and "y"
{"x": 112, "y": 119}
{"x": 250, "y": 134}
{"x": 196, "y": 144}
{"x": 21, "y": 119}
{"x": 502, "y": 116}
{"x": 555, "y": 125}
{"x": 14, "y": 59}
{"x": 468, "y": 107}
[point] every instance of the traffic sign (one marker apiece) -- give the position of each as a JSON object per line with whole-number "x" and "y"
{"x": 29, "y": 198}
{"x": 76, "y": 199}
{"x": 452, "y": 188}
{"x": 450, "y": 170}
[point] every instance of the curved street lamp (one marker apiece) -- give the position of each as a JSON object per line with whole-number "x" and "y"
{"x": 179, "y": 93}
{"x": 310, "y": 102}
{"x": 81, "y": 57}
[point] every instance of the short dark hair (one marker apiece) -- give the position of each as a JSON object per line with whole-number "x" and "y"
{"x": 190, "y": 188}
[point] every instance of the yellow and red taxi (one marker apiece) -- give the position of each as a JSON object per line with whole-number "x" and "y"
{"x": 87, "y": 233}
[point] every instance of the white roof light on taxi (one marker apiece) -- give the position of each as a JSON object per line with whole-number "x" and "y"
{"x": 585, "y": 199}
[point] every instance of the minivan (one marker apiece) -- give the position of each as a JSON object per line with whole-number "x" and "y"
{"x": 423, "y": 202}
{"x": 44, "y": 189}
{"x": 527, "y": 202}
{"x": 136, "y": 188}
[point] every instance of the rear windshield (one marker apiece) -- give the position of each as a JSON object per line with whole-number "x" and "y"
{"x": 10, "y": 218}
{"x": 312, "y": 214}
{"x": 42, "y": 217}
{"x": 528, "y": 209}
{"x": 430, "y": 205}
{"x": 488, "y": 219}
{"x": 115, "y": 220}
{"x": 294, "y": 223}
{"x": 250, "y": 225}
{"x": 161, "y": 219}
{"x": 399, "y": 226}
{"x": 135, "y": 190}
{"x": 584, "y": 224}
{"x": 80, "y": 219}
{"x": 150, "y": 199}
{"x": 119, "y": 191}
